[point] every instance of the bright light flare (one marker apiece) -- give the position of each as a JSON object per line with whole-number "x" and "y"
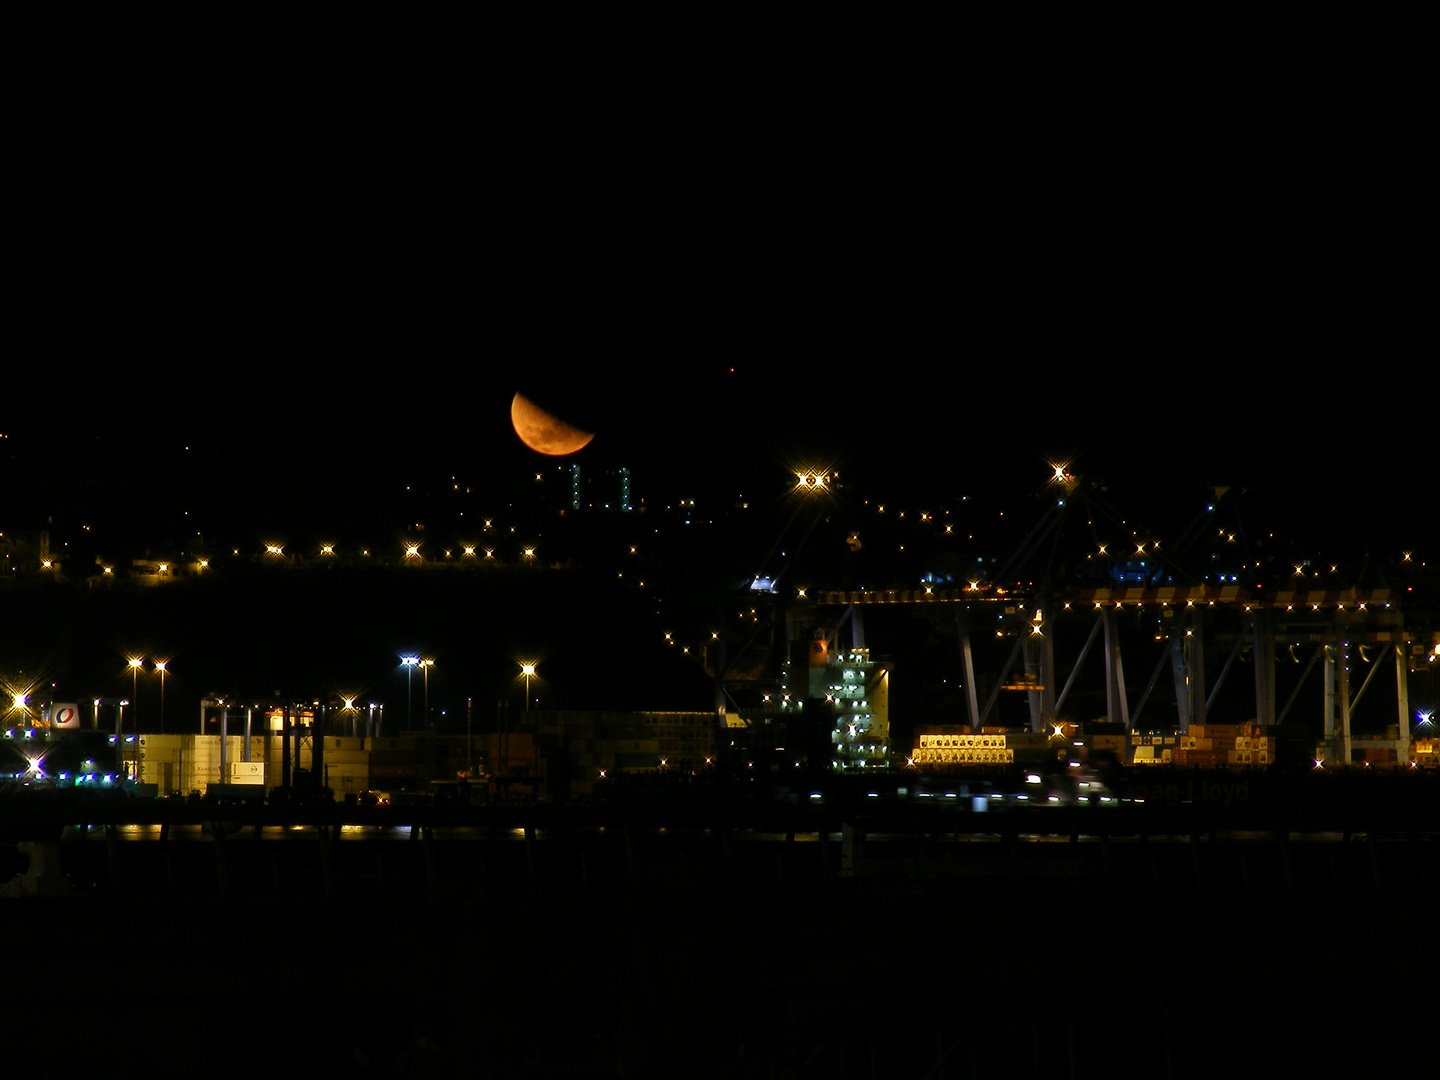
{"x": 1060, "y": 474}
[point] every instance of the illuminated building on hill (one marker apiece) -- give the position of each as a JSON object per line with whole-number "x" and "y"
{"x": 610, "y": 491}
{"x": 26, "y": 553}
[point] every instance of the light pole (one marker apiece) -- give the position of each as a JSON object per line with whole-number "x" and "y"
{"x": 160, "y": 669}
{"x": 528, "y": 670}
{"x": 409, "y": 662}
{"x": 425, "y": 666}
{"x": 136, "y": 663}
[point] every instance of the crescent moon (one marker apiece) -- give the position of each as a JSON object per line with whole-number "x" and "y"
{"x": 544, "y": 433}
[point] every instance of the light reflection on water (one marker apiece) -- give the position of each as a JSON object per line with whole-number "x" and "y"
{"x": 207, "y": 833}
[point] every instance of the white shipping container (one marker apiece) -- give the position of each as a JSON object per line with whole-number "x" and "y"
{"x": 247, "y": 772}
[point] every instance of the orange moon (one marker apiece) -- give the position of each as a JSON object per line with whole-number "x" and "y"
{"x": 544, "y": 433}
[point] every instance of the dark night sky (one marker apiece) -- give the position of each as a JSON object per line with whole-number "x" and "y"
{"x": 1176, "y": 280}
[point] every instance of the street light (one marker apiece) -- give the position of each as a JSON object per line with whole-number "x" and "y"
{"x": 409, "y": 662}
{"x": 160, "y": 670}
{"x": 527, "y": 670}
{"x": 136, "y": 663}
{"x": 425, "y": 666}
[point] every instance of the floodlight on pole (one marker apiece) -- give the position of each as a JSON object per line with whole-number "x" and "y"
{"x": 527, "y": 670}
{"x": 136, "y": 663}
{"x": 409, "y": 663}
{"x": 160, "y": 670}
{"x": 425, "y": 666}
